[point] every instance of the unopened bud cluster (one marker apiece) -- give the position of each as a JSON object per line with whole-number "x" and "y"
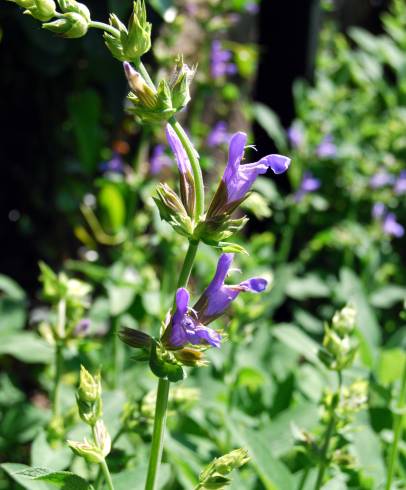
{"x": 89, "y": 403}
{"x": 339, "y": 349}
{"x": 73, "y": 23}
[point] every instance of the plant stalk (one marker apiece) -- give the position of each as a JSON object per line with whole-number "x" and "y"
{"x": 106, "y": 473}
{"x": 329, "y": 433}
{"x": 397, "y": 431}
{"x": 56, "y": 409}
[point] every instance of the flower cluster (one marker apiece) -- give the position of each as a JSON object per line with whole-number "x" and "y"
{"x": 387, "y": 220}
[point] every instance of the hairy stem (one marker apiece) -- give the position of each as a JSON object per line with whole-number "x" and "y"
{"x": 397, "y": 431}
{"x": 328, "y": 435}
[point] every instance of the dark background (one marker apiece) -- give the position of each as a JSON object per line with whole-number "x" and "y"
{"x": 39, "y": 72}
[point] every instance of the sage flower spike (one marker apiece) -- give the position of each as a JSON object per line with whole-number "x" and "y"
{"x": 238, "y": 179}
{"x": 218, "y": 296}
{"x": 185, "y": 327}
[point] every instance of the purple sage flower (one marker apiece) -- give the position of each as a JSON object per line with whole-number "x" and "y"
{"x": 159, "y": 160}
{"x": 218, "y": 135}
{"x": 220, "y": 64}
{"x": 326, "y": 148}
{"x": 400, "y": 184}
{"x": 252, "y": 8}
{"x": 309, "y": 184}
{"x": 381, "y": 179}
{"x": 114, "y": 165}
{"x": 378, "y": 210}
{"x": 238, "y": 179}
{"x": 391, "y": 227}
{"x": 217, "y": 297}
{"x": 186, "y": 328}
{"x": 295, "y": 136}
{"x": 82, "y": 327}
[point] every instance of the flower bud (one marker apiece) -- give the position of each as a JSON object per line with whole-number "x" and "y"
{"x": 138, "y": 40}
{"x": 179, "y": 84}
{"x": 102, "y": 438}
{"x": 114, "y": 42}
{"x": 42, "y": 10}
{"x": 88, "y": 397}
{"x": 90, "y": 452}
{"x": 135, "y": 338}
{"x": 337, "y": 352}
{"x": 344, "y": 320}
{"x": 215, "y": 475}
{"x": 72, "y": 25}
{"x": 172, "y": 210}
{"x": 75, "y": 7}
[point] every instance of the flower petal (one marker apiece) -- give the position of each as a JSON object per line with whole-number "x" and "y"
{"x": 278, "y": 163}
{"x": 255, "y": 284}
{"x": 235, "y": 154}
{"x": 177, "y": 148}
{"x": 223, "y": 266}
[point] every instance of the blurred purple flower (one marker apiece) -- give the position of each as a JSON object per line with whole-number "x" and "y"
{"x": 391, "y": 227}
{"x": 295, "y": 136}
{"x": 217, "y": 297}
{"x": 378, "y": 210}
{"x": 380, "y": 179}
{"x": 400, "y": 184}
{"x": 114, "y": 165}
{"x": 252, "y": 8}
{"x": 309, "y": 184}
{"x": 220, "y": 61}
{"x": 82, "y": 327}
{"x": 159, "y": 160}
{"x": 326, "y": 148}
{"x": 218, "y": 135}
{"x": 186, "y": 328}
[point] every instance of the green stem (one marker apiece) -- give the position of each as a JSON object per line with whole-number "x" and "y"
{"x": 397, "y": 431}
{"x": 187, "y": 145}
{"x": 56, "y": 409}
{"x": 287, "y": 239}
{"x": 329, "y": 433}
{"x": 163, "y": 389}
{"x": 158, "y": 434}
{"x": 104, "y": 27}
{"x": 117, "y": 351}
{"x": 106, "y": 473}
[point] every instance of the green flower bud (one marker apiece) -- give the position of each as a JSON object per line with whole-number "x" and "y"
{"x": 179, "y": 84}
{"x": 337, "y": 353}
{"x": 102, "y": 438}
{"x": 90, "y": 452}
{"x": 72, "y": 25}
{"x": 75, "y": 7}
{"x": 42, "y": 10}
{"x": 172, "y": 210}
{"x": 215, "y": 475}
{"x": 138, "y": 40}
{"x": 344, "y": 320}
{"x": 115, "y": 42}
{"x": 88, "y": 397}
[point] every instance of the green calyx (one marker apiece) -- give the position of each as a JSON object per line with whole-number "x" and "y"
{"x": 130, "y": 43}
{"x": 42, "y": 10}
{"x": 72, "y": 25}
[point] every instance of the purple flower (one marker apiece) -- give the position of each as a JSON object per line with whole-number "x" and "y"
{"x": 82, "y": 327}
{"x": 186, "y": 328}
{"x": 182, "y": 159}
{"x": 378, "y": 210}
{"x": 308, "y": 184}
{"x": 218, "y": 135}
{"x": 295, "y": 136}
{"x": 114, "y": 165}
{"x": 391, "y": 227}
{"x": 326, "y": 148}
{"x": 252, "y": 8}
{"x": 238, "y": 179}
{"x": 400, "y": 184}
{"x": 217, "y": 297}
{"x": 159, "y": 160}
{"x": 380, "y": 179}
{"x": 220, "y": 61}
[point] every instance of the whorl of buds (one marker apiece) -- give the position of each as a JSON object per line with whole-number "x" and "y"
{"x": 132, "y": 42}
{"x": 344, "y": 320}
{"x": 93, "y": 452}
{"x": 74, "y": 22}
{"x": 88, "y": 397}
{"x": 42, "y": 10}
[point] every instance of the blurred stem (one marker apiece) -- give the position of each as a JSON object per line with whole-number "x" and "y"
{"x": 117, "y": 350}
{"x": 397, "y": 431}
{"x": 286, "y": 245}
{"x": 104, "y": 27}
{"x": 303, "y": 479}
{"x": 163, "y": 389}
{"x": 187, "y": 145}
{"x": 56, "y": 395}
{"x": 158, "y": 434}
{"x": 329, "y": 433}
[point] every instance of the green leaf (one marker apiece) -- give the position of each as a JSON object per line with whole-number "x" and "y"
{"x": 310, "y": 286}
{"x": 297, "y": 340}
{"x": 42, "y": 454}
{"x": 61, "y": 479}
{"x": 120, "y": 297}
{"x": 391, "y": 365}
{"x": 27, "y": 347}
{"x": 368, "y": 451}
{"x": 112, "y": 203}
{"x": 134, "y": 478}
{"x": 11, "y": 289}
{"x": 388, "y": 296}
{"x": 270, "y": 123}
{"x": 14, "y": 471}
